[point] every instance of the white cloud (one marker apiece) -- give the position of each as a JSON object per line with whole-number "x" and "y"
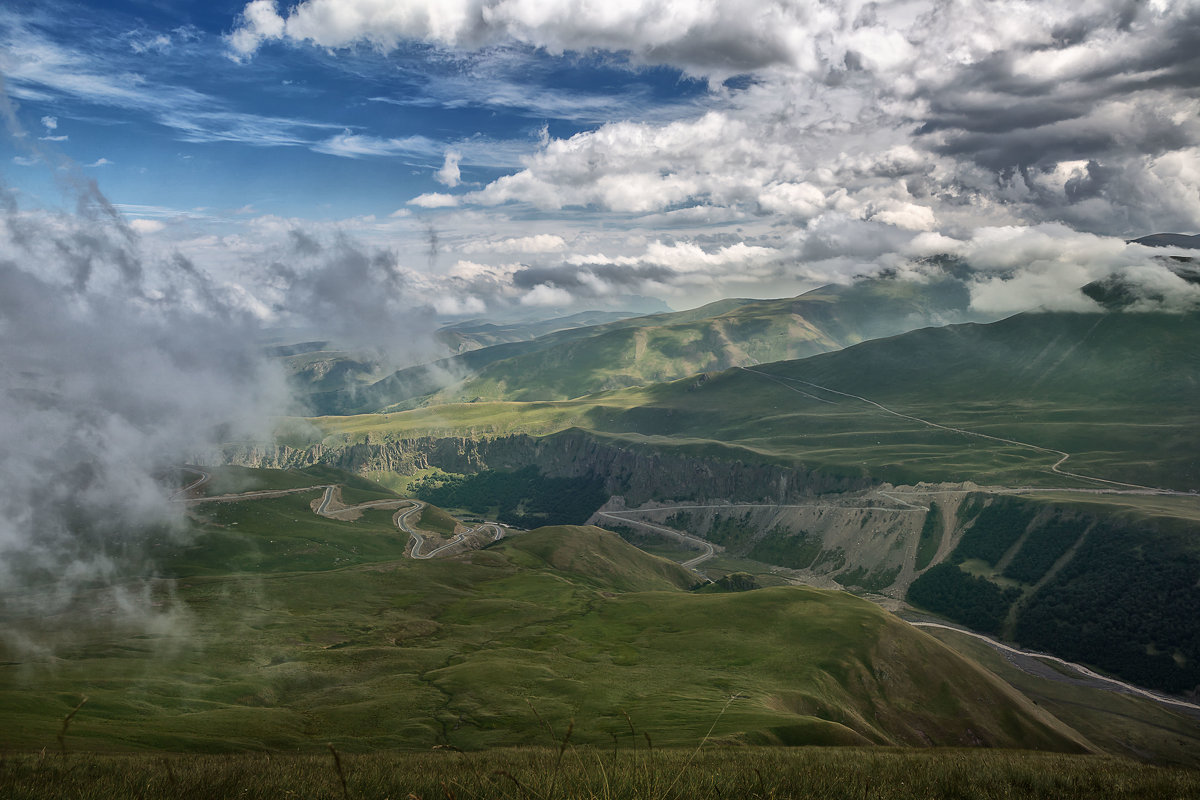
{"x": 910, "y": 216}
{"x": 146, "y": 226}
{"x": 997, "y": 93}
{"x": 434, "y": 200}
{"x": 50, "y": 122}
{"x": 99, "y": 162}
{"x": 353, "y": 145}
{"x": 449, "y": 174}
{"x": 538, "y": 243}
{"x": 721, "y": 32}
{"x": 545, "y": 295}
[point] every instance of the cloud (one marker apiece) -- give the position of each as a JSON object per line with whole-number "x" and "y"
{"x": 50, "y": 123}
{"x": 146, "y": 226}
{"x": 115, "y": 366}
{"x": 449, "y": 174}
{"x": 538, "y": 243}
{"x": 721, "y": 34}
{"x": 922, "y": 115}
{"x": 434, "y": 200}
{"x": 99, "y": 162}
{"x": 546, "y": 295}
{"x": 352, "y": 145}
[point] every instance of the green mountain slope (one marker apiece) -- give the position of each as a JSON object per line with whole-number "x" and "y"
{"x": 338, "y": 639}
{"x": 662, "y": 347}
{"x": 1134, "y": 358}
{"x": 407, "y": 386}
{"x": 476, "y": 334}
{"x": 762, "y": 331}
{"x": 1116, "y": 391}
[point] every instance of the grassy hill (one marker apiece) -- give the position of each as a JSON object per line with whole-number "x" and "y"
{"x": 475, "y": 334}
{"x": 1055, "y": 381}
{"x": 662, "y": 347}
{"x": 287, "y": 631}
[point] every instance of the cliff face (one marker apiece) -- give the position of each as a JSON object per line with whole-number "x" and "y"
{"x": 639, "y": 473}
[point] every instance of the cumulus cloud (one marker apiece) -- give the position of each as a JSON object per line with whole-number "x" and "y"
{"x": 545, "y": 295}
{"x": 434, "y": 200}
{"x": 538, "y": 243}
{"x": 449, "y": 174}
{"x": 723, "y": 34}
{"x": 922, "y": 115}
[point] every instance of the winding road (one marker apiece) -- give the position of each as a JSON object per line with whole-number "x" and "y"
{"x": 418, "y": 539}
{"x": 709, "y": 549}
{"x": 401, "y": 518}
{"x": 204, "y": 478}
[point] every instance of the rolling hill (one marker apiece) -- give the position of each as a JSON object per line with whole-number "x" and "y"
{"x": 319, "y": 631}
{"x": 663, "y": 347}
{"x": 475, "y": 334}
{"x": 1048, "y": 380}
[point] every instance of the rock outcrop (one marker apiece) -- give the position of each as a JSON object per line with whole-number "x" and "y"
{"x": 639, "y": 472}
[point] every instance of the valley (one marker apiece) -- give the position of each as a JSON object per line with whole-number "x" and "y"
{"x": 801, "y": 552}
{"x": 837, "y": 471}
{"x": 570, "y": 400}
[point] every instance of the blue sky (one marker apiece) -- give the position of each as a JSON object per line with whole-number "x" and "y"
{"x": 150, "y": 89}
{"x": 561, "y": 154}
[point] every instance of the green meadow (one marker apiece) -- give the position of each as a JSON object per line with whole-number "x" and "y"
{"x": 633, "y": 769}
{"x": 275, "y": 629}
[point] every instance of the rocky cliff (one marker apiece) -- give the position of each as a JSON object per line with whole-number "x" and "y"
{"x": 640, "y": 473}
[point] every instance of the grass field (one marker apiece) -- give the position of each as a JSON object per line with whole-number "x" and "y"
{"x": 436, "y": 520}
{"x": 631, "y": 769}
{"x": 1098, "y": 387}
{"x": 742, "y": 415}
{"x": 281, "y": 630}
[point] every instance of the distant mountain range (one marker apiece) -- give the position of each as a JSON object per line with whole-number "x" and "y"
{"x": 1170, "y": 240}
{"x": 642, "y": 350}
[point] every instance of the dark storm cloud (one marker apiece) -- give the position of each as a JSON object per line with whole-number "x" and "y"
{"x": 999, "y": 115}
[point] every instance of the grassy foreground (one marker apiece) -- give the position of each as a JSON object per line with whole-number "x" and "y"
{"x": 827, "y": 773}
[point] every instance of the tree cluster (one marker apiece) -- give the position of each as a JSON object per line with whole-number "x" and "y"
{"x": 524, "y": 498}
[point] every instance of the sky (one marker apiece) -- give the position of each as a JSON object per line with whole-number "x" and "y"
{"x": 180, "y": 182}
{"x": 511, "y": 155}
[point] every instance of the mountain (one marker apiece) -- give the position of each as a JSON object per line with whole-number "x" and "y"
{"x": 475, "y": 334}
{"x": 321, "y": 631}
{"x": 757, "y": 332}
{"x": 666, "y": 346}
{"x": 1170, "y": 240}
{"x": 1046, "y": 381}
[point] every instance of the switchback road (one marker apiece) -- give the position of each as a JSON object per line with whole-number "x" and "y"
{"x": 402, "y": 521}
{"x": 709, "y": 549}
